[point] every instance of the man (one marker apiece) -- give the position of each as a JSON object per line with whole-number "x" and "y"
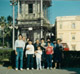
{"x": 19, "y": 47}
{"x": 24, "y": 39}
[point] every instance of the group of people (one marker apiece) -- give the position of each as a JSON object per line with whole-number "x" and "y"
{"x": 42, "y": 52}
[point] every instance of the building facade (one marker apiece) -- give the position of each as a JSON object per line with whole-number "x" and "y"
{"x": 68, "y": 29}
{"x": 32, "y": 18}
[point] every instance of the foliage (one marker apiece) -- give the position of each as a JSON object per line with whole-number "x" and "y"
{"x": 6, "y": 32}
{"x": 5, "y": 54}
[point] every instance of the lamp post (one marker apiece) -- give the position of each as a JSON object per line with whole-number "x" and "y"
{"x": 13, "y": 3}
{"x": 41, "y": 18}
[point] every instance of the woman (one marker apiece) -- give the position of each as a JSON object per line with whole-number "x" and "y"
{"x": 58, "y": 53}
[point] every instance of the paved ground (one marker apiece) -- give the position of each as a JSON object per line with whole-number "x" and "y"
{"x": 6, "y": 70}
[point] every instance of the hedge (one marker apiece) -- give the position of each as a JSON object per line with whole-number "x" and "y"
{"x": 5, "y": 54}
{"x": 71, "y": 58}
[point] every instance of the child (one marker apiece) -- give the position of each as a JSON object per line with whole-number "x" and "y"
{"x": 38, "y": 54}
{"x": 29, "y": 54}
{"x": 49, "y": 52}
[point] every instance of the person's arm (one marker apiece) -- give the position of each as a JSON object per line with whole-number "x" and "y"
{"x": 27, "y": 47}
{"x": 33, "y": 50}
{"x": 23, "y": 45}
{"x": 41, "y": 52}
{"x": 52, "y": 50}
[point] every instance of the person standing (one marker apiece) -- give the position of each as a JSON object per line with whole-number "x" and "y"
{"x": 43, "y": 44}
{"x": 49, "y": 52}
{"x": 19, "y": 47}
{"x": 58, "y": 53}
{"x": 38, "y": 54}
{"x": 30, "y": 55}
{"x": 36, "y": 44}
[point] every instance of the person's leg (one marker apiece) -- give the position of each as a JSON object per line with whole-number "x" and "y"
{"x": 59, "y": 65}
{"x": 40, "y": 63}
{"x": 47, "y": 57}
{"x": 37, "y": 61}
{"x": 50, "y": 61}
{"x": 17, "y": 57}
{"x": 43, "y": 60}
{"x": 21, "y": 58}
{"x": 28, "y": 60}
{"x": 55, "y": 65}
{"x": 31, "y": 57}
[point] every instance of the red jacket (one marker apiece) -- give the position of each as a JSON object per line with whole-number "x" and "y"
{"x": 49, "y": 50}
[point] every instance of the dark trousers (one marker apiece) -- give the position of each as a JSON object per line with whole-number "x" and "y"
{"x": 49, "y": 60}
{"x": 29, "y": 60}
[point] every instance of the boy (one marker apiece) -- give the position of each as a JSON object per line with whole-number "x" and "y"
{"x": 29, "y": 54}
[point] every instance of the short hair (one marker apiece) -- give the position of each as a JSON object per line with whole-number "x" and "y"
{"x": 48, "y": 38}
{"x": 38, "y": 46}
{"x": 49, "y": 42}
{"x": 30, "y": 40}
{"x": 59, "y": 39}
{"x": 20, "y": 35}
{"x": 42, "y": 38}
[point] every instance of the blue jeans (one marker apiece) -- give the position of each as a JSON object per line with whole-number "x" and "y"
{"x": 49, "y": 60}
{"x": 19, "y": 55}
{"x": 29, "y": 60}
{"x": 38, "y": 61}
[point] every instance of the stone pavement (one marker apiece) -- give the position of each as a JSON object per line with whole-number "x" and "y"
{"x": 6, "y": 70}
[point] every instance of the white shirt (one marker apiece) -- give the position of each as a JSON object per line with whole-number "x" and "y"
{"x": 38, "y": 54}
{"x": 19, "y": 43}
{"x": 30, "y": 50}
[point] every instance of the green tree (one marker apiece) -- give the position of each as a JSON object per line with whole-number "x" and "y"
{"x": 6, "y": 32}
{"x": 9, "y": 19}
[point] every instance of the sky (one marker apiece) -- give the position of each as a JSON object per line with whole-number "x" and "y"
{"x": 58, "y": 8}
{"x": 63, "y": 8}
{"x": 5, "y": 8}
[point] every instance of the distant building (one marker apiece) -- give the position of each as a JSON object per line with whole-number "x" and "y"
{"x": 68, "y": 29}
{"x": 33, "y": 18}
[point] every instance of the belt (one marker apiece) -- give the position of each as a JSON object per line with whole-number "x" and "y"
{"x": 19, "y": 47}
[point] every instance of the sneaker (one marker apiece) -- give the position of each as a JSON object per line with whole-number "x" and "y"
{"x": 37, "y": 68}
{"x": 21, "y": 69}
{"x": 40, "y": 68}
{"x": 47, "y": 67}
{"x": 54, "y": 67}
{"x": 32, "y": 68}
{"x": 16, "y": 69}
{"x": 43, "y": 67}
{"x": 27, "y": 68}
